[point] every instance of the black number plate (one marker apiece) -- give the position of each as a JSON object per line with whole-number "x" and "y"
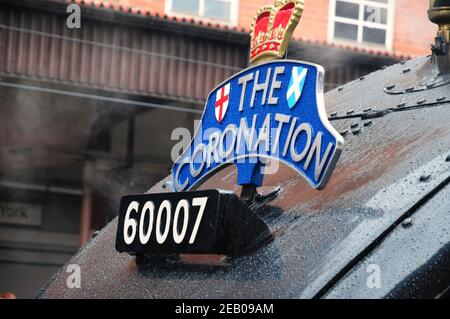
{"x": 184, "y": 222}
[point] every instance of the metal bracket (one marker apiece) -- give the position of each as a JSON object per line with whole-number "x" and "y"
{"x": 250, "y": 195}
{"x": 440, "y": 47}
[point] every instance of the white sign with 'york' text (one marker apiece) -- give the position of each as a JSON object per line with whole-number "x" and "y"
{"x": 14, "y": 213}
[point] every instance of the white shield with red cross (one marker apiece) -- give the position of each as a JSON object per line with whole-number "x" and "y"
{"x": 222, "y": 98}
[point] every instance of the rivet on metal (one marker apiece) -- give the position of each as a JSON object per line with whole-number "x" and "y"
{"x": 441, "y": 99}
{"x": 403, "y": 104}
{"x": 447, "y": 159}
{"x": 368, "y": 109}
{"x": 334, "y": 114}
{"x": 408, "y": 222}
{"x": 362, "y": 78}
{"x": 345, "y": 132}
{"x": 390, "y": 87}
{"x": 350, "y": 111}
{"x": 424, "y": 178}
{"x": 356, "y": 131}
{"x": 354, "y": 125}
{"x": 421, "y": 101}
{"x": 340, "y": 88}
{"x": 368, "y": 123}
{"x": 406, "y": 70}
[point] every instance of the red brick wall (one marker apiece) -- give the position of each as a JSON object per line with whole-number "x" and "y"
{"x": 314, "y": 22}
{"x": 151, "y": 5}
{"x": 413, "y": 33}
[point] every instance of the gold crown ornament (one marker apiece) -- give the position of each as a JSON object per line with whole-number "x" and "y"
{"x": 272, "y": 30}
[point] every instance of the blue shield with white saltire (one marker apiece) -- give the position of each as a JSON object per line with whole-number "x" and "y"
{"x": 296, "y": 85}
{"x": 273, "y": 110}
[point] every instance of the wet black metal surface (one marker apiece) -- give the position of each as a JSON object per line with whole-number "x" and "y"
{"x": 392, "y": 142}
{"x": 414, "y": 260}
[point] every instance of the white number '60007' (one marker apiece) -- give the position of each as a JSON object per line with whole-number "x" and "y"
{"x": 165, "y": 211}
